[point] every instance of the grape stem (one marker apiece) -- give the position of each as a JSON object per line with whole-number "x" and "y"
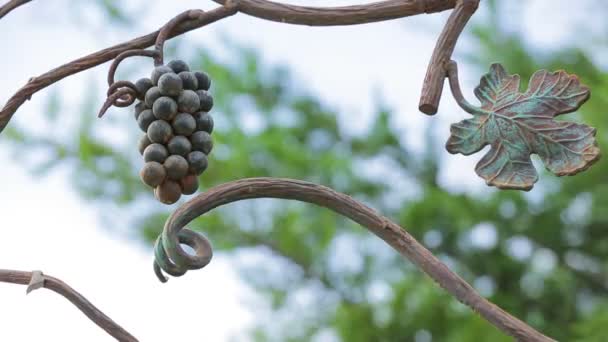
{"x": 452, "y": 74}
{"x": 129, "y": 53}
{"x": 167, "y": 30}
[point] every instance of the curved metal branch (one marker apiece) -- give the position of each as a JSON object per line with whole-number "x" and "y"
{"x": 332, "y": 16}
{"x": 173, "y": 259}
{"x": 11, "y": 5}
{"x": 348, "y": 15}
{"x": 38, "y": 83}
{"x": 63, "y": 289}
{"x": 436, "y": 71}
{"x": 166, "y": 31}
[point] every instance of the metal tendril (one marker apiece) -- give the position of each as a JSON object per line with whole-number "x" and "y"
{"x": 122, "y": 93}
{"x": 167, "y": 30}
{"x": 122, "y": 97}
{"x": 170, "y": 256}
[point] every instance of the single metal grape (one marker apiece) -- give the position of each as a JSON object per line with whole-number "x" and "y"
{"x": 164, "y": 108}
{"x": 204, "y": 121}
{"x": 169, "y": 192}
{"x": 176, "y": 166}
{"x": 142, "y": 85}
{"x": 155, "y": 152}
{"x": 206, "y": 101}
{"x": 184, "y": 124}
{"x": 189, "y": 184}
{"x": 158, "y": 72}
{"x": 144, "y": 119}
{"x": 153, "y": 174}
{"x": 189, "y": 80}
{"x": 198, "y": 162}
{"x": 179, "y": 145}
{"x": 188, "y": 101}
{"x": 204, "y": 82}
{"x": 151, "y": 95}
{"x": 178, "y": 66}
{"x": 160, "y": 132}
{"x": 143, "y": 143}
{"x": 170, "y": 84}
{"x": 139, "y": 107}
{"x": 201, "y": 141}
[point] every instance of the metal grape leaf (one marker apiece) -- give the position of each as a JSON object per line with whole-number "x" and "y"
{"x": 517, "y": 125}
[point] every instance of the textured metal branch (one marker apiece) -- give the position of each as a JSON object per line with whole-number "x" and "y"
{"x": 437, "y": 69}
{"x": 348, "y": 15}
{"x": 63, "y": 289}
{"x": 11, "y": 5}
{"x": 168, "y": 28}
{"x": 40, "y": 82}
{"x": 398, "y": 238}
{"x": 333, "y": 16}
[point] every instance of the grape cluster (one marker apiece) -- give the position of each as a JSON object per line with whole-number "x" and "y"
{"x": 173, "y": 113}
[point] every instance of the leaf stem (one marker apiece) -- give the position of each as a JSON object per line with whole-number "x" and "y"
{"x": 452, "y": 73}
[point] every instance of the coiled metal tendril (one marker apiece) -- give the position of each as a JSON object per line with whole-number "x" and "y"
{"x": 171, "y": 258}
{"x": 124, "y": 93}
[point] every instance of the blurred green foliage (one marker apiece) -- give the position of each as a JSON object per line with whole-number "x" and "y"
{"x": 543, "y": 256}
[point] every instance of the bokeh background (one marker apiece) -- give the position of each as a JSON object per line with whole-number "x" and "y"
{"x": 336, "y": 106}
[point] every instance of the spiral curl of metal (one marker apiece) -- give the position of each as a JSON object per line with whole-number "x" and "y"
{"x": 123, "y": 93}
{"x": 120, "y": 94}
{"x": 171, "y": 258}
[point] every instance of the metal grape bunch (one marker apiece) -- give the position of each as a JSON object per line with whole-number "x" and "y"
{"x": 173, "y": 114}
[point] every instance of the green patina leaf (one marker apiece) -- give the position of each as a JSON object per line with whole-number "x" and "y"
{"x": 517, "y": 125}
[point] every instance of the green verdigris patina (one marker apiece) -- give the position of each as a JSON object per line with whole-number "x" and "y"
{"x": 517, "y": 125}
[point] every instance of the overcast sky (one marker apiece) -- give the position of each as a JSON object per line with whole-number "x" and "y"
{"x": 345, "y": 65}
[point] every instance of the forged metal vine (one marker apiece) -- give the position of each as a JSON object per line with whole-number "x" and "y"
{"x": 514, "y": 124}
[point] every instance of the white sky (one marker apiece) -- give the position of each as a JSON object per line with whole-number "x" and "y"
{"x": 46, "y": 226}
